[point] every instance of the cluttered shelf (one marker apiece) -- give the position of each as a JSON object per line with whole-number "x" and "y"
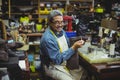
{"x": 35, "y": 34}
{"x": 70, "y": 0}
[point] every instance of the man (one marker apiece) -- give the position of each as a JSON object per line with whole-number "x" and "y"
{"x": 55, "y": 48}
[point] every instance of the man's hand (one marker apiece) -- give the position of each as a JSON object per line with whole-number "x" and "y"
{"x": 78, "y": 44}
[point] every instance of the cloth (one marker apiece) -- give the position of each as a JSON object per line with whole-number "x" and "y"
{"x": 63, "y": 43}
{"x": 63, "y": 46}
{"x": 59, "y": 72}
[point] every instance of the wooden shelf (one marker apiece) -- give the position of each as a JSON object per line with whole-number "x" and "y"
{"x": 24, "y": 13}
{"x": 36, "y": 4}
{"x": 65, "y": 0}
{"x": 30, "y": 6}
{"x": 3, "y": 29}
{"x": 34, "y": 34}
{"x": 34, "y": 44}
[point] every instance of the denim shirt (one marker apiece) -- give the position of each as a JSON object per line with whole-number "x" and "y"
{"x": 49, "y": 47}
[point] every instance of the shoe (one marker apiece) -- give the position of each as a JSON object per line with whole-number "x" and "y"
{"x": 2, "y": 43}
{"x": 19, "y": 45}
{"x": 11, "y": 53}
{"x": 3, "y": 55}
{"x": 14, "y": 45}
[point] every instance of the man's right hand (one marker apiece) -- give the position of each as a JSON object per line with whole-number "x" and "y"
{"x": 78, "y": 44}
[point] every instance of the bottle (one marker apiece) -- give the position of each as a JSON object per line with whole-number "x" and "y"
{"x": 112, "y": 50}
{"x": 112, "y": 45}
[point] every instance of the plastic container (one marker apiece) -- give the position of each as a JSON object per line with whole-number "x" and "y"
{"x": 71, "y": 34}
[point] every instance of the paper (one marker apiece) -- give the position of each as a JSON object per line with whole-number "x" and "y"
{"x": 22, "y": 64}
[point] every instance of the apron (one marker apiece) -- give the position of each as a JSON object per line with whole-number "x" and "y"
{"x": 62, "y": 42}
{"x": 63, "y": 46}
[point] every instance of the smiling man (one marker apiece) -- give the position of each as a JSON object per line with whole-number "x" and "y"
{"x": 55, "y": 49}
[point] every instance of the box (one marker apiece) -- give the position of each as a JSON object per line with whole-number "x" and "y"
{"x": 110, "y": 24}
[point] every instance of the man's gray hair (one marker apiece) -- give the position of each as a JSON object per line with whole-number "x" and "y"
{"x": 54, "y": 13}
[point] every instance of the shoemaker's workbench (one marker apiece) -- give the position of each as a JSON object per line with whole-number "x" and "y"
{"x": 99, "y": 64}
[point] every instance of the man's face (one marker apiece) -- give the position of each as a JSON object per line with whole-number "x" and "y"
{"x": 57, "y": 23}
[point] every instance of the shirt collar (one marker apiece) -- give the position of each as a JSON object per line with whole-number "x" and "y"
{"x": 58, "y": 34}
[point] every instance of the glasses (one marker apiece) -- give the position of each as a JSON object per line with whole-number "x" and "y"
{"x": 58, "y": 22}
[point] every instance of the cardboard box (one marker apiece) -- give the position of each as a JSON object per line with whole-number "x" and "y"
{"x": 110, "y": 24}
